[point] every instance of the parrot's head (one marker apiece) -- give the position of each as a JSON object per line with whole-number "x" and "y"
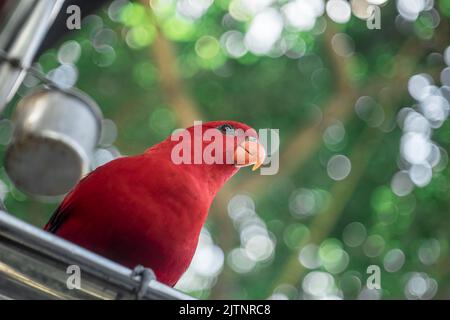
{"x": 227, "y": 143}
{"x": 213, "y": 151}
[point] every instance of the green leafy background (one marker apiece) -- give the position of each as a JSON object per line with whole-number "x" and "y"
{"x": 125, "y": 69}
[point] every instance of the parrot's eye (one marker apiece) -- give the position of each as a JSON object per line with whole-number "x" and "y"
{"x": 226, "y": 129}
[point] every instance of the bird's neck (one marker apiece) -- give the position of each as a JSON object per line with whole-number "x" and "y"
{"x": 211, "y": 176}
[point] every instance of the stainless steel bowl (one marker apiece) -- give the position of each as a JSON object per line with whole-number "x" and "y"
{"x": 55, "y": 133}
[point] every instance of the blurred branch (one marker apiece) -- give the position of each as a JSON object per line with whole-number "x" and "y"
{"x": 306, "y": 141}
{"x": 341, "y": 193}
{"x": 173, "y": 88}
{"x": 304, "y": 144}
{"x": 361, "y": 154}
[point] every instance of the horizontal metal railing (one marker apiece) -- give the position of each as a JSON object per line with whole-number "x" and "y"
{"x": 33, "y": 265}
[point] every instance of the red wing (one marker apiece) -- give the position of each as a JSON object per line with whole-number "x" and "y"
{"x": 64, "y": 209}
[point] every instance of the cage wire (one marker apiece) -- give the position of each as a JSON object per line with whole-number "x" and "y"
{"x": 42, "y": 77}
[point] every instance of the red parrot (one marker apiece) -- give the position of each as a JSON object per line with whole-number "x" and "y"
{"x": 148, "y": 210}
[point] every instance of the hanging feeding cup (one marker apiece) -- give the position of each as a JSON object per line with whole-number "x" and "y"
{"x": 55, "y": 133}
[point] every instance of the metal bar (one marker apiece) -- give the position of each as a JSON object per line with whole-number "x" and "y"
{"x": 33, "y": 265}
{"x": 24, "y": 26}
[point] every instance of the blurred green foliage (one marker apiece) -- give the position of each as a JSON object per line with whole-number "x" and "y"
{"x": 368, "y": 220}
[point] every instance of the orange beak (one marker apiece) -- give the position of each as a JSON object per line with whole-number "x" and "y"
{"x": 249, "y": 152}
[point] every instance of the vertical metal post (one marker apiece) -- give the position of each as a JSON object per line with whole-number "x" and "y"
{"x": 23, "y": 27}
